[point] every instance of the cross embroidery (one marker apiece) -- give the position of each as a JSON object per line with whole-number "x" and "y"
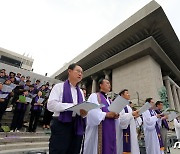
{"x": 126, "y": 135}
{"x": 159, "y": 136}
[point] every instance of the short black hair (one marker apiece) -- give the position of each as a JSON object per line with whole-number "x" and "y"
{"x": 72, "y": 66}
{"x": 101, "y": 81}
{"x": 158, "y": 103}
{"x": 148, "y": 100}
{"x": 31, "y": 86}
{"x": 122, "y": 91}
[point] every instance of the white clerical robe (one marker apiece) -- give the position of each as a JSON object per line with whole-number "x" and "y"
{"x": 177, "y": 128}
{"x": 124, "y": 120}
{"x": 94, "y": 118}
{"x": 151, "y": 138}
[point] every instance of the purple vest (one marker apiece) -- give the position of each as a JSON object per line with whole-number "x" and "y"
{"x": 66, "y": 116}
{"x": 37, "y": 107}
{"x": 108, "y": 131}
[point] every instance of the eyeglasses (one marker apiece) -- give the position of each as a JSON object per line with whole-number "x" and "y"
{"x": 79, "y": 71}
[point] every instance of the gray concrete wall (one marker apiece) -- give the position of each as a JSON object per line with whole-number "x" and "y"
{"x": 33, "y": 75}
{"x": 143, "y": 76}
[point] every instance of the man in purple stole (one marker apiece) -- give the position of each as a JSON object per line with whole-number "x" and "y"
{"x": 100, "y": 136}
{"x": 164, "y": 125}
{"x": 67, "y": 128}
{"x": 151, "y": 125}
{"x": 127, "y": 128}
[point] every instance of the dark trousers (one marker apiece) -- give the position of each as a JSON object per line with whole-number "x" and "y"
{"x": 47, "y": 117}
{"x": 3, "y": 106}
{"x": 17, "y": 121}
{"x": 63, "y": 139}
{"x": 34, "y": 120}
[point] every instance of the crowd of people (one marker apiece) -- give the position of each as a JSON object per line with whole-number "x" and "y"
{"x": 100, "y": 131}
{"x": 27, "y": 100}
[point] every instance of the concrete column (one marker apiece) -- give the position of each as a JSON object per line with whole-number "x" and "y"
{"x": 169, "y": 93}
{"x": 94, "y": 83}
{"x": 176, "y": 100}
{"x": 107, "y": 73}
{"x": 84, "y": 84}
{"x": 178, "y": 91}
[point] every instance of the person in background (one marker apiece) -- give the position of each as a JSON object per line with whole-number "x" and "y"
{"x": 164, "y": 124}
{"x": 18, "y": 76}
{"x": 2, "y": 76}
{"x": 22, "y": 82}
{"x": 2, "y": 103}
{"x": 177, "y": 127}
{"x": 36, "y": 108}
{"x": 17, "y": 121}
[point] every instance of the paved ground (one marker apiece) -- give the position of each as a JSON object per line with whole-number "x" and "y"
{"x": 175, "y": 151}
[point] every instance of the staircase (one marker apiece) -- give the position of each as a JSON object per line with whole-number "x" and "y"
{"x": 23, "y": 142}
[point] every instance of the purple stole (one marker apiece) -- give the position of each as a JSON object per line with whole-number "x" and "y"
{"x": 126, "y": 137}
{"x": 108, "y": 131}
{"x": 158, "y": 132}
{"x": 164, "y": 122}
{"x": 66, "y": 116}
{"x": 37, "y": 107}
{"x": 177, "y": 120}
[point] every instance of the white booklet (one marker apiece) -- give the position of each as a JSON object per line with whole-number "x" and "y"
{"x": 7, "y": 88}
{"x": 3, "y": 95}
{"x": 144, "y": 108}
{"x": 40, "y": 100}
{"x": 118, "y": 104}
{"x": 84, "y": 105}
{"x": 28, "y": 99}
{"x": 172, "y": 116}
{"x": 12, "y": 85}
{"x": 2, "y": 80}
{"x": 165, "y": 112}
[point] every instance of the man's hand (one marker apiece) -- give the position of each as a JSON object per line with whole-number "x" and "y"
{"x": 164, "y": 117}
{"x": 112, "y": 115}
{"x": 135, "y": 113}
{"x": 1, "y": 100}
{"x": 158, "y": 116}
{"x": 83, "y": 113}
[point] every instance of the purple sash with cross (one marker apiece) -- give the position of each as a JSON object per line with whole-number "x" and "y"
{"x": 158, "y": 131}
{"x": 126, "y": 137}
{"x": 66, "y": 116}
{"x": 108, "y": 130}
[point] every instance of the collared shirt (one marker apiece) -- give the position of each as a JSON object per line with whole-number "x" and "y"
{"x": 55, "y": 99}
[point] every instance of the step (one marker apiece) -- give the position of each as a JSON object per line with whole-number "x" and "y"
{"x": 38, "y": 133}
{"x": 15, "y": 139}
{"x": 25, "y": 151}
{"x": 22, "y": 145}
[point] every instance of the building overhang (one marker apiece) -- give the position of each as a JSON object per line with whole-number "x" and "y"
{"x": 149, "y": 23}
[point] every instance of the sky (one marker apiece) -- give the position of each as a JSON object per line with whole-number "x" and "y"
{"x": 53, "y": 32}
